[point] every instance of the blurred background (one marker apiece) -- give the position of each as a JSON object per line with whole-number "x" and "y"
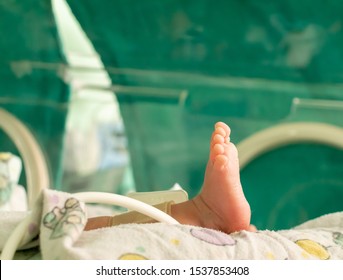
{"x": 122, "y": 95}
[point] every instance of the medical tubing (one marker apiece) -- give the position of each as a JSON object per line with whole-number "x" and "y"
{"x": 89, "y": 197}
{"x": 15, "y": 238}
{"x": 127, "y": 202}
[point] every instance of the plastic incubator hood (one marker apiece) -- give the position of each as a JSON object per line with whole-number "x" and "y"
{"x": 37, "y": 175}
{"x": 285, "y": 134}
{"x": 38, "y": 179}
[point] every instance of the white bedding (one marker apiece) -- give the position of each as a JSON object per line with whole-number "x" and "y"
{"x": 59, "y": 220}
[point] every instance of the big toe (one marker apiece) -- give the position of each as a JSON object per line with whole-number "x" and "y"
{"x": 223, "y": 126}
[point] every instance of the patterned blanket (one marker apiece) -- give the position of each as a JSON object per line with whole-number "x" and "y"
{"x": 58, "y": 221}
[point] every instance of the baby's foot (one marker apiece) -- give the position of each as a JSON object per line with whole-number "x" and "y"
{"x": 221, "y": 202}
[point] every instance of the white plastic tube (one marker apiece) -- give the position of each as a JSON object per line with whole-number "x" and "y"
{"x": 89, "y": 197}
{"x": 15, "y": 238}
{"x": 288, "y": 133}
{"x": 127, "y": 202}
{"x": 37, "y": 174}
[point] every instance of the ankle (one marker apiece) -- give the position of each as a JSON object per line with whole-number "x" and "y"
{"x": 186, "y": 213}
{"x": 207, "y": 217}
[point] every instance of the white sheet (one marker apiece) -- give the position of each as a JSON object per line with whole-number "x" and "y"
{"x": 62, "y": 237}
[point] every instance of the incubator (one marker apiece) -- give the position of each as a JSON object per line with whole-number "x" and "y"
{"x": 123, "y": 100}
